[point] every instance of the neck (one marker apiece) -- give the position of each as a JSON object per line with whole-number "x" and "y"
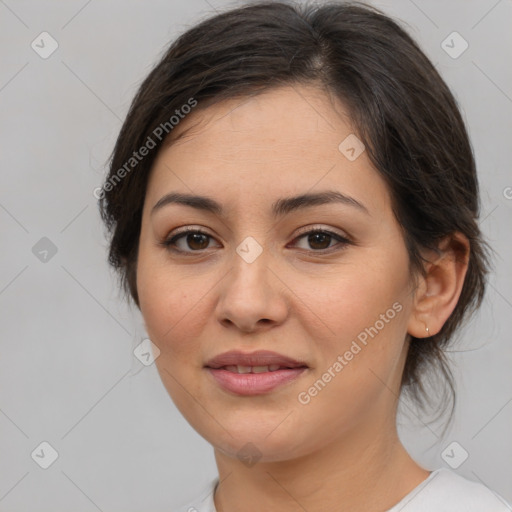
{"x": 364, "y": 470}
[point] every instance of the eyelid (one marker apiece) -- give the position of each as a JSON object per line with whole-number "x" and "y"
{"x": 321, "y": 227}
{"x": 186, "y": 229}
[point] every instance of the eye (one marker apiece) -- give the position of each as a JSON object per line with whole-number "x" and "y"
{"x": 320, "y": 240}
{"x": 196, "y": 240}
{"x": 193, "y": 239}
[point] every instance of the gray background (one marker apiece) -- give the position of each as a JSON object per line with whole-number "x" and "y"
{"x": 68, "y": 374}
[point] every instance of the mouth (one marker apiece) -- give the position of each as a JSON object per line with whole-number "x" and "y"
{"x": 260, "y": 360}
{"x": 255, "y": 369}
{"x": 254, "y": 373}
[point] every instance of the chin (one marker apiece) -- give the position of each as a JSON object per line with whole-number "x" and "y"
{"x": 255, "y": 439}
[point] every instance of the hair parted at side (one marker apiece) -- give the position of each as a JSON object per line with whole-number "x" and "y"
{"x": 399, "y": 105}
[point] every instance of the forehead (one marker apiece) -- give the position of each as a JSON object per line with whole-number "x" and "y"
{"x": 285, "y": 139}
{"x": 306, "y": 112}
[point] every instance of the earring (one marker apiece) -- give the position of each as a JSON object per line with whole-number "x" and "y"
{"x": 428, "y": 332}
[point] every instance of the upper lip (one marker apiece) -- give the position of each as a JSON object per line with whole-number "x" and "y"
{"x": 257, "y": 358}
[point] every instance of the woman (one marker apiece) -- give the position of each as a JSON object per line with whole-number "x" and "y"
{"x": 293, "y": 206}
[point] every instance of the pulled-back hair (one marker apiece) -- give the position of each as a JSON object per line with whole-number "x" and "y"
{"x": 399, "y": 106}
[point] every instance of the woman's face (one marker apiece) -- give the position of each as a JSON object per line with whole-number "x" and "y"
{"x": 337, "y": 302}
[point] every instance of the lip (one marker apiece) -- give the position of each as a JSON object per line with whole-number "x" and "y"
{"x": 257, "y": 358}
{"x": 250, "y": 384}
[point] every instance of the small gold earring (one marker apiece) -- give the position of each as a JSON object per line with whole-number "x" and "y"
{"x": 428, "y": 332}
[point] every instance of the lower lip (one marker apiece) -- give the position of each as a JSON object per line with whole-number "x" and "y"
{"x": 251, "y": 384}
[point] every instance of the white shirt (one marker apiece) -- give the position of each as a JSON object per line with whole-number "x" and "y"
{"x": 443, "y": 491}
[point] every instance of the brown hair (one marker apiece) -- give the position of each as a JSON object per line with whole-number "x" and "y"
{"x": 401, "y": 108}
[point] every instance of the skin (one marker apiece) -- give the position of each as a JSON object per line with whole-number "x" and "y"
{"x": 303, "y": 300}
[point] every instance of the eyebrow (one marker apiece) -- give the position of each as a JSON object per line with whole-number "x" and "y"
{"x": 280, "y": 207}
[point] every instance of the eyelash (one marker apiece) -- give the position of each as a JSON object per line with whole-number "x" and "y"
{"x": 170, "y": 242}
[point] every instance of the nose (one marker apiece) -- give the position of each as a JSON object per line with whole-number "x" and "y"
{"x": 252, "y": 297}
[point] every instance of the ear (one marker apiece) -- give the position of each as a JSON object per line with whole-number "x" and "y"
{"x": 438, "y": 291}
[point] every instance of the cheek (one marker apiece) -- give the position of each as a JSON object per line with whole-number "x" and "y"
{"x": 359, "y": 365}
{"x": 174, "y": 312}
{"x": 360, "y": 295}
{"x": 364, "y": 314}
{"x": 173, "y": 305}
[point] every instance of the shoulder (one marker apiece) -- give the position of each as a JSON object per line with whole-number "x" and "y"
{"x": 204, "y": 500}
{"x": 446, "y": 491}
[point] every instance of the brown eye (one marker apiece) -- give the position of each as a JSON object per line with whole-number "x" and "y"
{"x": 318, "y": 240}
{"x": 188, "y": 241}
{"x": 197, "y": 241}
